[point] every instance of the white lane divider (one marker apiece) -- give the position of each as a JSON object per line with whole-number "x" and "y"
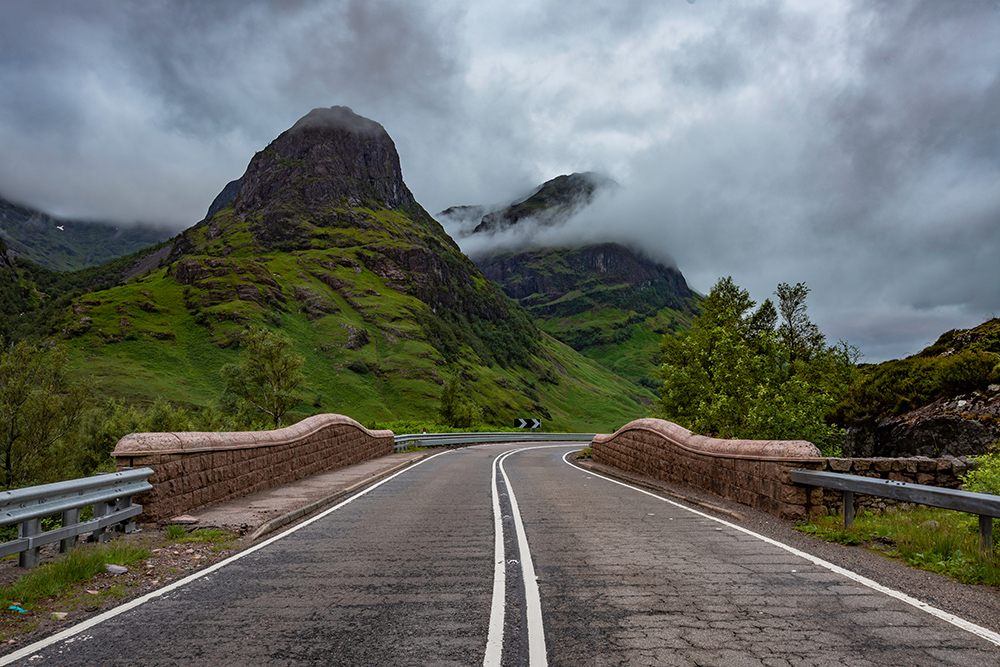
{"x": 533, "y": 602}
{"x": 32, "y": 649}
{"x": 957, "y": 621}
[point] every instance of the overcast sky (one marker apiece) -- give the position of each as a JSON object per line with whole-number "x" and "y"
{"x": 853, "y": 146}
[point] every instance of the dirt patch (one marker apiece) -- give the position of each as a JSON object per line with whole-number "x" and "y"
{"x": 168, "y": 561}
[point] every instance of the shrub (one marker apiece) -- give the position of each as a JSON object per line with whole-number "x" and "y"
{"x": 985, "y": 477}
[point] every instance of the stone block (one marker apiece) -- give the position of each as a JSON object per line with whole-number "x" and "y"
{"x": 925, "y": 478}
{"x": 861, "y": 465}
{"x": 839, "y": 465}
{"x": 882, "y": 465}
{"x": 926, "y": 465}
{"x": 794, "y": 494}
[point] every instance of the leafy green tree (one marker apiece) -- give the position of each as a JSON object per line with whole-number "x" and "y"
{"x": 267, "y": 375}
{"x": 800, "y": 336}
{"x": 737, "y": 374}
{"x": 39, "y": 405}
{"x": 456, "y": 411}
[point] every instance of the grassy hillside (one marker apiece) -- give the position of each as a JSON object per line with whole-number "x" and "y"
{"x": 603, "y": 300}
{"x": 372, "y": 352}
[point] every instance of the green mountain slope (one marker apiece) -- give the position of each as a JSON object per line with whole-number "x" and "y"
{"x": 69, "y": 245}
{"x": 324, "y": 241}
{"x": 602, "y": 299}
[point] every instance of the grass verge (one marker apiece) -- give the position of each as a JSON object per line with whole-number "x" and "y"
{"x": 938, "y": 540}
{"x": 78, "y": 565}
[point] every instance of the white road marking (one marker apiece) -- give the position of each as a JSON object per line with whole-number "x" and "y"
{"x": 957, "y": 621}
{"x": 533, "y": 601}
{"x": 494, "y": 640}
{"x": 31, "y": 649}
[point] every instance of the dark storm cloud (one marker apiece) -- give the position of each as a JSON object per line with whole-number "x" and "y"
{"x": 182, "y": 93}
{"x": 850, "y": 145}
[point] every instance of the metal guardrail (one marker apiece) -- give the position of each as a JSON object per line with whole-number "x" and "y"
{"x": 404, "y": 442}
{"x": 110, "y": 494}
{"x": 985, "y": 505}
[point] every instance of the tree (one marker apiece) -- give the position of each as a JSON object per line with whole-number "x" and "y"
{"x": 736, "y": 374}
{"x": 267, "y": 375}
{"x": 801, "y": 337}
{"x": 456, "y": 411}
{"x": 39, "y": 405}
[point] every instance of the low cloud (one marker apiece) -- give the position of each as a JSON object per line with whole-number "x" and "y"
{"x": 851, "y": 145}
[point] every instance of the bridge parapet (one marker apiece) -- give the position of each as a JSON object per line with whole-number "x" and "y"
{"x": 195, "y": 469}
{"x": 756, "y": 473}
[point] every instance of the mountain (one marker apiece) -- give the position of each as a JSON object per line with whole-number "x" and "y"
{"x": 553, "y": 202}
{"x": 944, "y": 400}
{"x": 69, "y": 245}
{"x": 605, "y": 300}
{"x": 323, "y": 240}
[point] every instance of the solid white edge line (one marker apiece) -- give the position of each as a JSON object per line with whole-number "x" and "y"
{"x": 42, "y": 644}
{"x": 533, "y": 601}
{"x": 957, "y": 621}
{"x": 494, "y": 640}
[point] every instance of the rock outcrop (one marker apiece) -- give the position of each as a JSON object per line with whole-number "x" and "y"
{"x": 555, "y": 201}
{"x": 960, "y": 426}
{"x": 543, "y": 279}
{"x": 330, "y": 159}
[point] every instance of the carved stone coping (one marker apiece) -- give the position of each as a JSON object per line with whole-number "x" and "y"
{"x": 798, "y": 451}
{"x": 140, "y": 444}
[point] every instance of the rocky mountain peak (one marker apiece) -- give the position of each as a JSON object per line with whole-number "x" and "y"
{"x": 554, "y": 202}
{"x": 331, "y": 158}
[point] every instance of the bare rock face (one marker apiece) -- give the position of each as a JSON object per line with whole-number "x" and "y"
{"x": 960, "y": 426}
{"x": 554, "y": 202}
{"x": 541, "y": 278}
{"x": 330, "y": 159}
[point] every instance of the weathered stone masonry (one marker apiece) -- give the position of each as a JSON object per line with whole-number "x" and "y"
{"x": 757, "y": 472}
{"x": 752, "y": 472}
{"x": 196, "y": 469}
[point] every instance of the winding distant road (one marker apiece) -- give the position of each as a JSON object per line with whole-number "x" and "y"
{"x": 588, "y": 571}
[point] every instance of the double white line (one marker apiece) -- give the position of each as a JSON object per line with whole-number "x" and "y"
{"x": 533, "y": 602}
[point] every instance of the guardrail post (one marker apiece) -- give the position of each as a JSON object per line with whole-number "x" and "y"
{"x": 69, "y": 518}
{"x": 848, "y": 509}
{"x": 101, "y": 534}
{"x": 29, "y": 528}
{"x": 986, "y": 536}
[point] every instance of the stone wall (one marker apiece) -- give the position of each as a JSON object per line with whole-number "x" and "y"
{"x": 752, "y": 472}
{"x": 757, "y": 472}
{"x": 946, "y": 472}
{"x": 196, "y": 469}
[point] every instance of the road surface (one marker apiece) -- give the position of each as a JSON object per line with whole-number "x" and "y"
{"x": 587, "y": 571}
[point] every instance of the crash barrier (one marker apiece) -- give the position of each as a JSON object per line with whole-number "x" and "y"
{"x": 756, "y": 473}
{"x": 109, "y": 494}
{"x": 196, "y": 469}
{"x": 404, "y": 442}
{"x": 985, "y": 505}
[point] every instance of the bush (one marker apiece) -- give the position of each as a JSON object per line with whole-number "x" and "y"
{"x": 358, "y": 367}
{"x": 985, "y": 477}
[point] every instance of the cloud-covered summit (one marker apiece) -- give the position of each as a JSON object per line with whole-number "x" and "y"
{"x": 852, "y": 145}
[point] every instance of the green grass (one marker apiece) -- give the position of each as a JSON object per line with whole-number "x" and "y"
{"x": 952, "y": 549}
{"x": 220, "y": 539}
{"x": 78, "y": 565}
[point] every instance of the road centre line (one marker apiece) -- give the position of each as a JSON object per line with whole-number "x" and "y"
{"x": 31, "y": 649}
{"x": 533, "y": 602}
{"x": 957, "y": 621}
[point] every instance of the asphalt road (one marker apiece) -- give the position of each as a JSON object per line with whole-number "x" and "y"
{"x": 410, "y": 573}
